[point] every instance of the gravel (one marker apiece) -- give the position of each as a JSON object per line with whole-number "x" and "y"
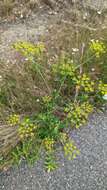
{"x": 86, "y": 172}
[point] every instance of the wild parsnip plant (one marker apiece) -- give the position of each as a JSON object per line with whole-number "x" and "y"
{"x": 77, "y": 114}
{"x": 71, "y": 94}
{"x": 13, "y": 119}
{"x": 97, "y": 48}
{"x": 70, "y": 150}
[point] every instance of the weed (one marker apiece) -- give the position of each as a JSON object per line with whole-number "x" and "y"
{"x": 77, "y": 115}
{"x": 71, "y": 94}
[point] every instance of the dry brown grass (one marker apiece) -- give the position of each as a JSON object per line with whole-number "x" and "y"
{"x": 21, "y": 87}
{"x": 6, "y": 7}
{"x": 25, "y": 7}
{"x": 17, "y": 7}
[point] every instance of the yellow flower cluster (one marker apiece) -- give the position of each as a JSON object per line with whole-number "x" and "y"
{"x": 70, "y": 150}
{"x": 102, "y": 88}
{"x": 27, "y": 129}
{"x": 97, "y": 47}
{"x": 78, "y": 114}
{"x": 28, "y": 49}
{"x": 86, "y": 83}
{"x": 13, "y": 119}
{"x": 65, "y": 68}
{"x": 63, "y": 137}
{"x": 48, "y": 144}
{"x": 47, "y": 99}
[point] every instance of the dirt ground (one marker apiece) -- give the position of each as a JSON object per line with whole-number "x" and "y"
{"x": 43, "y": 16}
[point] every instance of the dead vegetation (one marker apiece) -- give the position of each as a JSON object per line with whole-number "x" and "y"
{"x": 17, "y": 8}
{"x": 13, "y": 9}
